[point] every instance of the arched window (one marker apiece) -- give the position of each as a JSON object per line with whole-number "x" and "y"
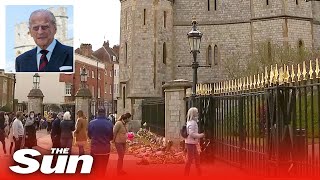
{"x": 301, "y": 49}
{"x": 209, "y": 5}
{"x": 215, "y": 5}
{"x": 297, "y": 2}
{"x": 124, "y": 97}
{"x": 269, "y": 51}
{"x": 164, "y": 19}
{"x": 216, "y": 55}
{"x": 267, "y": 2}
{"x": 209, "y": 55}
{"x": 126, "y": 53}
{"x": 164, "y": 53}
{"x": 144, "y": 16}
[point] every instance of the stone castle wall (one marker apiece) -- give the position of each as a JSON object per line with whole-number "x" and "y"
{"x": 235, "y": 27}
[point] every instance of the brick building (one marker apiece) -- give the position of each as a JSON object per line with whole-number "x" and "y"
{"x": 109, "y": 56}
{"x": 153, "y": 39}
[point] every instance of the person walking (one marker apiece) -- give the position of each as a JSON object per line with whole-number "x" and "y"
{"x": 18, "y": 131}
{"x": 2, "y": 131}
{"x": 192, "y": 141}
{"x": 30, "y": 131}
{"x": 81, "y": 131}
{"x": 67, "y": 127}
{"x": 120, "y": 137}
{"x": 100, "y": 132}
{"x": 56, "y": 131}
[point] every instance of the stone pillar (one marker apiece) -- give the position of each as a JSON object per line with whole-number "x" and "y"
{"x": 35, "y": 101}
{"x": 83, "y": 101}
{"x": 175, "y": 108}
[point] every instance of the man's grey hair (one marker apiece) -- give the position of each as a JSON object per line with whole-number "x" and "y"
{"x": 51, "y": 16}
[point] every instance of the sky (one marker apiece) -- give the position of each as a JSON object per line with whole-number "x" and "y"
{"x": 94, "y": 21}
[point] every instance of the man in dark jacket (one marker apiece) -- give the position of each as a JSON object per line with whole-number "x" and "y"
{"x": 56, "y": 131}
{"x": 100, "y": 131}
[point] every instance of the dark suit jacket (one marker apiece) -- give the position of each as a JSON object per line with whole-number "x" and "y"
{"x": 62, "y": 55}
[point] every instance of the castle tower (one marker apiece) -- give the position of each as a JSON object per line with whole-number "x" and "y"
{"x": 316, "y": 23}
{"x": 145, "y": 60}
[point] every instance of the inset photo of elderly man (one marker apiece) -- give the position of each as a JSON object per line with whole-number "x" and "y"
{"x": 43, "y": 39}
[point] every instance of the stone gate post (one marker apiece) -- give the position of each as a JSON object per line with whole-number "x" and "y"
{"x": 35, "y": 101}
{"x": 175, "y": 108}
{"x": 83, "y": 101}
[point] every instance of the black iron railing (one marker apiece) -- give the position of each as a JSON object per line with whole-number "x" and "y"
{"x": 153, "y": 115}
{"x": 267, "y": 125}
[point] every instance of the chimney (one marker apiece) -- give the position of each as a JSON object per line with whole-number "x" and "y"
{"x": 116, "y": 49}
{"x": 86, "y": 50}
{"x": 106, "y": 44}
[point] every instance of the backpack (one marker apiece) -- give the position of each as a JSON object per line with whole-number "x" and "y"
{"x": 183, "y": 131}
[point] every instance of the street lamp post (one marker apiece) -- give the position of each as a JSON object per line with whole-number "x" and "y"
{"x": 83, "y": 77}
{"x": 36, "y": 81}
{"x": 194, "y": 38}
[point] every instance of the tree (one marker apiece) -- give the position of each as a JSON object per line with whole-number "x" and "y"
{"x": 6, "y": 108}
{"x": 266, "y": 54}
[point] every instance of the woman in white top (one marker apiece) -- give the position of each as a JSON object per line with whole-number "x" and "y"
{"x": 192, "y": 140}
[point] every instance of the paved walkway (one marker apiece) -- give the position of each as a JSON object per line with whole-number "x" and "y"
{"x": 134, "y": 171}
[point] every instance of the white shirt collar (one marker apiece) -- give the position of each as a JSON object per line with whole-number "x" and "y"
{"x": 49, "y": 48}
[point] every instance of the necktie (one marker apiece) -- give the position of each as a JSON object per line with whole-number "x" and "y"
{"x": 43, "y": 60}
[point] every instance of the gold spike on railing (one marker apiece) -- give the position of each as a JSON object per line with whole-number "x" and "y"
{"x": 281, "y": 74}
{"x": 262, "y": 80}
{"x": 299, "y": 73}
{"x": 223, "y": 87}
{"x": 258, "y": 81}
{"x": 286, "y": 74}
{"x": 276, "y": 74}
{"x": 293, "y": 75}
{"x": 246, "y": 83}
{"x": 311, "y": 70}
{"x": 232, "y": 85}
{"x": 240, "y": 85}
{"x": 229, "y": 86}
{"x": 220, "y": 87}
{"x": 266, "y": 80}
{"x": 317, "y": 69}
{"x": 250, "y": 83}
{"x": 254, "y": 83}
{"x": 271, "y": 75}
{"x": 216, "y": 88}
{"x": 304, "y": 70}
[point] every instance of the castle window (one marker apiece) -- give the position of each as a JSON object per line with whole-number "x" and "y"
{"x": 209, "y": 5}
{"x": 164, "y": 53}
{"x": 126, "y": 53}
{"x": 216, "y": 55}
{"x": 269, "y": 51}
{"x": 297, "y": 2}
{"x": 301, "y": 49}
{"x": 164, "y": 19}
{"x": 144, "y": 16}
{"x": 209, "y": 55}
{"x": 215, "y": 5}
{"x": 124, "y": 97}
{"x": 126, "y": 25}
{"x": 267, "y": 2}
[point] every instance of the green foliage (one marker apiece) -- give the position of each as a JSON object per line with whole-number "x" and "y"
{"x": 308, "y": 114}
{"x": 6, "y": 108}
{"x": 264, "y": 55}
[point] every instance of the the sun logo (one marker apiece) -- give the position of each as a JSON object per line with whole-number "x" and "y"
{"x": 65, "y": 163}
